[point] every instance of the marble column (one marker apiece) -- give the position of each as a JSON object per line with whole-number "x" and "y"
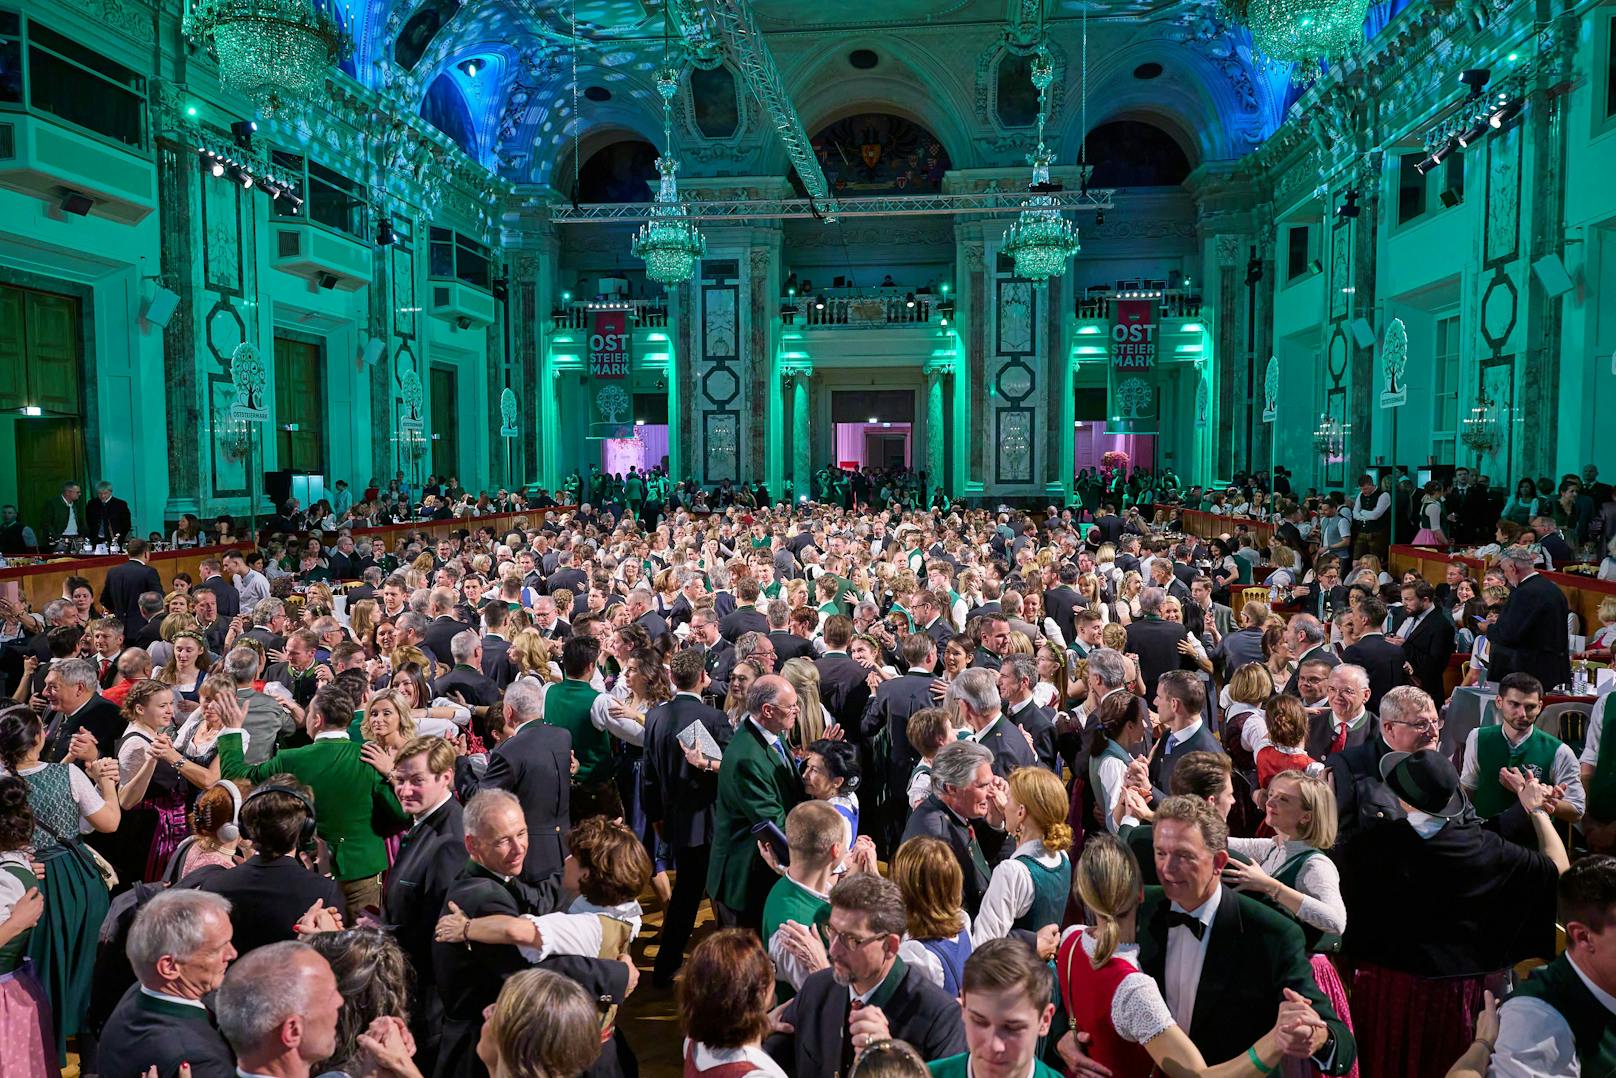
{"x": 799, "y": 427}
{"x": 935, "y": 472}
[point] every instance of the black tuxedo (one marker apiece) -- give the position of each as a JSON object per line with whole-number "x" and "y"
{"x": 439, "y": 632}
{"x": 473, "y": 686}
{"x": 1254, "y": 952}
{"x": 1062, "y": 604}
{"x": 917, "y": 1011}
{"x": 1040, "y": 725}
{"x": 1530, "y": 634}
{"x": 788, "y": 646}
{"x": 267, "y": 898}
{"x": 1384, "y": 662}
{"x": 678, "y": 798}
{"x": 1156, "y": 643}
{"x": 108, "y": 520}
{"x": 932, "y": 817}
{"x": 98, "y": 715}
{"x": 125, "y": 585}
{"x": 430, "y": 856}
{"x": 843, "y": 688}
{"x": 144, "y": 1031}
{"x": 470, "y": 978}
{"x": 535, "y": 764}
{"x": 743, "y": 619}
{"x": 1428, "y": 648}
{"x": 229, "y": 599}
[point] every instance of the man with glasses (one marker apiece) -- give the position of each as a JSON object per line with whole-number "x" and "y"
{"x": 863, "y": 992}
{"x": 1346, "y": 719}
{"x": 757, "y": 783}
{"x": 1516, "y": 744}
{"x": 1408, "y": 723}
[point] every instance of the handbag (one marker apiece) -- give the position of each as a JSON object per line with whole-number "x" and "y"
{"x": 88, "y": 855}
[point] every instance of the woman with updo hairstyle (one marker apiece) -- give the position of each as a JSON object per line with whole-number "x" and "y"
{"x": 1114, "y": 636}
{"x": 152, "y": 791}
{"x": 63, "y": 944}
{"x": 373, "y": 977}
{"x": 543, "y": 1025}
{"x": 25, "y": 1016}
{"x": 1130, "y": 1030}
{"x": 215, "y": 831}
{"x": 530, "y": 655}
{"x": 937, "y": 935}
{"x": 889, "y": 1059}
{"x": 1029, "y": 889}
{"x": 724, "y": 995}
{"x": 1122, "y": 721}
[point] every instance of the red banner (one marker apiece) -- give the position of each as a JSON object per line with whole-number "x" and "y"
{"x": 608, "y": 345}
{"x": 1133, "y": 336}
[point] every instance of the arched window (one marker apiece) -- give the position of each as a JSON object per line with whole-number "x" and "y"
{"x": 1015, "y": 98}
{"x": 1131, "y": 153}
{"x": 878, "y": 154}
{"x": 445, "y": 108}
{"x": 622, "y": 172}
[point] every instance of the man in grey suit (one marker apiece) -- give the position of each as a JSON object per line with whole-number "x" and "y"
{"x": 1180, "y": 703}
{"x": 1222, "y": 616}
{"x": 267, "y": 721}
{"x": 977, "y": 690}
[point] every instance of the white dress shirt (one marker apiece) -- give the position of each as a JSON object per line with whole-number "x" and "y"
{"x": 1534, "y": 1040}
{"x": 1566, "y": 772}
{"x": 1181, "y": 975}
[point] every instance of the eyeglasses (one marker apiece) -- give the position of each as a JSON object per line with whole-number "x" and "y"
{"x": 848, "y": 940}
{"x": 1427, "y": 724}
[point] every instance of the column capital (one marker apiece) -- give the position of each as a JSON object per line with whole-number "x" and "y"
{"x": 793, "y": 370}
{"x": 936, "y": 368}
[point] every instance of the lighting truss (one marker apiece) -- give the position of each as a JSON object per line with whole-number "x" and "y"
{"x": 743, "y": 40}
{"x": 779, "y": 209}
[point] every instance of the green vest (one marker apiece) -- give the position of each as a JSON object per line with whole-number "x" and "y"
{"x": 790, "y": 901}
{"x": 1050, "y": 886}
{"x": 11, "y": 955}
{"x": 1592, "y": 1027}
{"x": 1111, "y": 749}
{"x": 1602, "y": 783}
{"x": 567, "y": 704}
{"x": 1535, "y": 753}
{"x": 1317, "y": 941}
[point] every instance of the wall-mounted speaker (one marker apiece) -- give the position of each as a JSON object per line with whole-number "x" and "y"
{"x": 160, "y": 308}
{"x": 374, "y": 349}
{"x": 1551, "y": 274}
{"x": 326, "y": 281}
{"x": 1363, "y": 334}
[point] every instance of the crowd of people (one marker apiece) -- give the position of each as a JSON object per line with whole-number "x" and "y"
{"x": 968, "y": 791}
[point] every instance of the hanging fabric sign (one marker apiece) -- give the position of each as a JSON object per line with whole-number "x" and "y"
{"x": 1133, "y": 336}
{"x": 610, "y": 403}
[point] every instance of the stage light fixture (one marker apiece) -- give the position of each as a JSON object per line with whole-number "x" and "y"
{"x": 1504, "y": 114}
{"x": 76, "y": 202}
{"x": 242, "y": 176}
{"x": 909, "y": 300}
{"x": 384, "y": 232}
{"x": 819, "y": 302}
{"x": 242, "y": 131}
{"x": 1425, "y": 165}
{"x": 217, "y": 168}
{"x": 1349, "y": 205}
{"x": 1473, "y": 134}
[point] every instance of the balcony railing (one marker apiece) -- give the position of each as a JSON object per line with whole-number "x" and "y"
{"x": 880, "y": 308}
{"x": 1172, "y": 302}
{"x": 580, "y": 314}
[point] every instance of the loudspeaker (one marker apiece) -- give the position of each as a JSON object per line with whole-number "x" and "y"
{"x": 1450, "y": 198}
{"x": 1551, "y": 274}
{"x": 326, "y": 281}
{"x": 1363, "y": 334}
{"x": 160, "y": 308}
{"x": 278, "y": 485}
{"x": 374, "y": 349}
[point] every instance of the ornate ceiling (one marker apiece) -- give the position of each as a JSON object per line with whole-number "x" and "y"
{"x": 524, "y": 82}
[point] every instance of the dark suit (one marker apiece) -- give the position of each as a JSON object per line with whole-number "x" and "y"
{"x": 652, "y": 623}
{"x": 1530, "y": 634}
{"x": 571, "y": 579}
{"x": 535, "y": 764}
{"x": 679, "y": 799}
{"x": 743, "y": 619}
{"x": 1321, "y": 732}
{"x": 472, "y": 685}
{"x": 1384, "y": 662}
{"x": 268, "y": 897}
{"x": 1254, "y": 952}
{"x": 54, "y": 519}
{"x": 917, "y": 1011}
{"x": 144, "y": 1031}
{"x": 719, "y": 660}
{"x": 1428, "y": 648}
{"x": 98, "y": 715}
{"x": 1322, "y": 654}
{"x": 1361, "y": 797}
{"x": 470, "y": 978}
{"x": 345, "y": 566}
{"x": 788, "y": 646}
{"x": 1166, "y": 754}
{"x": 125, "y": 585}
{"x": 497, "y": 666}
{"x": 1156, "y": 643}
{"x": 229, "y": 599}
{"x": 933, "y": 818}
{"x": 754, "y": 784}
{"x": 431, "y": 855}
{"x": 1559, "y": 551}
{"x": 889, "y": 709}
{"x": 1062, "y": 604}
{"x": 108, "y": 520}
{"x": 843, "y": 688}
{"x": 1040, "y": 725}
{"x": 439, "y": 631}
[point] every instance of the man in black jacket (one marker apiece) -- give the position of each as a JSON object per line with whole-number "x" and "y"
{"x": 962, "y": 783}
{"x": 1426, "y": 637}
{"x": 107, "y": 518}
{"x": 843, "y": 682}
{"x": 678, "y": 786}
{"x": 744, "y": 618}
{"x": 1017, "y": 677}
{"x": 469, "y": 975}
{"x": 179, "y": 947}
{"x": 467, "y": 680}
{"x": 1380, "y": 657}
{"x": 826, "y": 1029}
{"x": 443, "y": 627}
{"x": 1180, "y": 704}
{"x": 1063, "y": 601}
{"x": 224, "y": 592}
{"x": 1408, "y": 723}
{"x": 787, "y": 644}
{"x": 1530, "y": 633}
{"x": 534, "y": 762}
{"x": 889, "y": 709}
{"x": 125, "y": 584}
{"x": 1156, "y": 641}
{"x": 70, "y": 690}
{"x": 496, "y": 662}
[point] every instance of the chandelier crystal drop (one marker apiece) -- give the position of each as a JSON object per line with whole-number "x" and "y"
{"x": 1040, "y": 240}
{"x": 1304, "y": 31}
{"x": 669, "y": 243}
{"x": 275, "y": 52}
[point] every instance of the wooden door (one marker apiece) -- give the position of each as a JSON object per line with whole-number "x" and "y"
{"x": 13, "y": 349}
{"x": 50, "y": 452}
{"x": 445, "y": 428}
{"x": 54, "y": 372}
{"x": 299, "y": 403}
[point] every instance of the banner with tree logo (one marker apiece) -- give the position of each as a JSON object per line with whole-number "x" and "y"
{"x": 611, "y": 405}
{"x": 1135, "y": 391}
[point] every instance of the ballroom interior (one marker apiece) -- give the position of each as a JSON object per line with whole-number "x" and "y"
{"x": 507, "y": 240}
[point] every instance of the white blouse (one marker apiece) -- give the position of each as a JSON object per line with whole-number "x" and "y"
{"x": 1318, "y": 880}
{"x": 1139, "y": 1014}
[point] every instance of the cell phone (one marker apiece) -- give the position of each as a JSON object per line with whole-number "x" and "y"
{"x": 768, "y": 831}
{"x": 1071, "y": 665}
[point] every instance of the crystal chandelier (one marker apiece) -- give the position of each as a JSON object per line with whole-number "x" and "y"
{"x": 1330, "y": 437}
{"x": 1303, "y": 31}
{"x": 275, "y": 52}
{"x": 670, "y": 243}
{"x": 1041, "y": 241}
{"x": 1480, "y": 434}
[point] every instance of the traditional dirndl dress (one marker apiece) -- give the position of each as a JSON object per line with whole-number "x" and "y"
{"x": 26, "y": 1041}
{"x": 63, "y": 945}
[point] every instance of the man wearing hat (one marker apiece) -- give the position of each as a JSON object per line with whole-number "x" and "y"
{"x": 1438, "y": 910}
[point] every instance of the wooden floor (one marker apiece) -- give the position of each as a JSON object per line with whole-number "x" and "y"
{"x": 649, "y": 1019}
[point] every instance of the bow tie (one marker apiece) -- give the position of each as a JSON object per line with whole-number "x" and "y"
{"x": 1178, "y": 919}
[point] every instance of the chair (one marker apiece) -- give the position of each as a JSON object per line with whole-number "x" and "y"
{"x": 1552, "y": 719}
{"x": 1573, "y": 724}
{"x": 1249, "y": 595}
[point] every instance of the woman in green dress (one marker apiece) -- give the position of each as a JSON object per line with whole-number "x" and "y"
{"x": 63, "y": 944}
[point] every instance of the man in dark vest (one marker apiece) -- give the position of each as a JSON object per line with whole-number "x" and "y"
{"x": 575, "y": 706}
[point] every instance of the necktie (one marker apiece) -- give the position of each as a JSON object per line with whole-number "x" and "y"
{"x": 785, "y": 756}
{"x": 1179, "y": 919}
{"x": 1339, "y": 742}
{"x": 106, "y": 664}
{"x": 848, "y": 1050}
